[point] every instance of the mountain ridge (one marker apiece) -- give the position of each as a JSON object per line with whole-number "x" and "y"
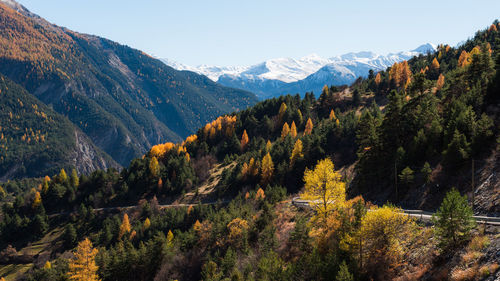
{"x": 280, "y": 76}
{"x": 123, "y": 99}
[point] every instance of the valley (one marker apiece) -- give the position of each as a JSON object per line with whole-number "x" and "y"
{"x": 115, "y": 165}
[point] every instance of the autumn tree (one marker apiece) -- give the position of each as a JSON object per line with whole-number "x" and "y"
{"x": 83, "y": 267}
{"x": 37, "y": 201}
{"x": 378, "y": 79}
{"x": 125, "y": 226}
{"x": 74, "y": 180}
{"x": 440, "y": 82}
{"x": 170, "y": 239}
{"x": 464, "y": 59}
{"x": 324, "y": 189}
{"x": 285, "y": 131}
{"x": 244, "y": 140}
{"x": 154, "y": 167}
{"x": 384, "y": 234}
{"x": 260, "y": 195}
{"x": 269, "y": 145}
{"x": 296, "y": 152}
{"x": 332, "y": 115}
{"x": 267, "y": 169}
{"x": 147, "y": 224}
{"x": 309, "y": 127}
{"x": 453, "y": 220}
{"x": 237, "y": 229}
{"x": 282, "y": 111}
{"x": 293, "y": 130}
{"x": 63, "y": 177}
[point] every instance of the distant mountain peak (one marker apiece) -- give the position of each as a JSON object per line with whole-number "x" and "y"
{"x": 425, "y": 48}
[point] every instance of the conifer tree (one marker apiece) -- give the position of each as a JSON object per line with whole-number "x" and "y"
{"x": 125, "y": 226}
{"x": 154, "y": 167}
{"x": 285, "y": 131}
{"x": 324, "y": 189}
{"x": 267, "y": 169}
{"x": 244, "y": 140}
{"x": 147, "y": 224}
{"x": 83, "y": 267}
{"x": 378, "y": 79}
{"x": 37, "y": 201}
{"x": 282, "y": 111}
{"x": 75, "y": 181}
{"x": 293, "y": 130}
{"x": 464, "y": 59}
{"x": 440, "y": 82}
{"x": 453, "y": 220}
{"x": 170, "y": 239}
{"x": 309, "y": 127}
{"x": 296, "y": 152}
{"x": 269, "y": 145}
{"x": 63, "y": 177}
{"x": 332, "y": 115}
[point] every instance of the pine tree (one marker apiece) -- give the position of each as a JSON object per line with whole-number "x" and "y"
{"x": 309, "y": 127}
{"x": 83, "y": 266}
{"x": 426, "y": 172}
{"x": 293, "y": 130}
{"x": 344, "y": 274}
{"x": 285, "y": 131}
{"x": 125, "y": 226}
{"x": 267, "y": 169}
{"x": 296, "y": 152}
{"x": 453, "y": 220}
{"x": 244, "y": 140}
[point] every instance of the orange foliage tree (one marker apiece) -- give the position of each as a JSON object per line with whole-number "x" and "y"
{"x": 309, "y": 127}
{"x": 285, "y": 131}
{"x": 244, "y": 140}
{"x": 82, "y": 267}
{"x": 293, "y": 130}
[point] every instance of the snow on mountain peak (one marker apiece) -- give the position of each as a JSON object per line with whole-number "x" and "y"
{"x": 290, "y": 70}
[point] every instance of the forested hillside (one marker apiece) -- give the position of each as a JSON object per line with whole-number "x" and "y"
{"x": 123, "y": 99}
{"x": 36, "y": 141}
{"x": 402, "y": 137}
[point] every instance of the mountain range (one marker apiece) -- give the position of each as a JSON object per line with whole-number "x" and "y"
{"x": 281, "y": 76}
{"x": 120, "y": 99}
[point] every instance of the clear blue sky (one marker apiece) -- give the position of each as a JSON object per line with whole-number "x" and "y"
{"x": 232, "y": 32}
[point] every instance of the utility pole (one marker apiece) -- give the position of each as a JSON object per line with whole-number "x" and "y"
{"x": 396, "y": 179}
{"x": 472, "y": 183}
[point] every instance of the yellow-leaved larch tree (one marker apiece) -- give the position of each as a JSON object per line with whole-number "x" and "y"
{"x": 324, "y": 189}
{"x": 82, "y": 267}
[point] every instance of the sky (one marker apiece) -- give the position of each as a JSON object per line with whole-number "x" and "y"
{"x": 232, "y": 32}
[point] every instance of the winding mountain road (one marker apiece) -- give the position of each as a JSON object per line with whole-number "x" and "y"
{"x": 418, "y": 214}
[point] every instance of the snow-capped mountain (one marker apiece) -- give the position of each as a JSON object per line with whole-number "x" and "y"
{"x": 280, "y": 76}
